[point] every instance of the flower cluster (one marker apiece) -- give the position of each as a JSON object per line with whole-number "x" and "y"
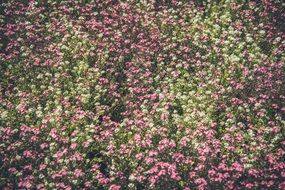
{"x": 126, "y": 94}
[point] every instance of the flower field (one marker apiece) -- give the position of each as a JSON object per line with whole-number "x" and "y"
{"x": 142, "y": 94}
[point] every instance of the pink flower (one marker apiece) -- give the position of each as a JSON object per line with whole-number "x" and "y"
{"x": 42, "y": 167}
{"x": 88, "y": 184}
{"x": 78, "y": 173}
{"x": 73, "y": 146}
{"x": 53, "y": 133}
{"x": 12, "y": 170}
{"x": 178, "y": 157}
{"x": 115, "y": 187}
{"x": 28, "y": 154}
{"x": 44, "y": 145}
{"x": 201, "y": 182}
{"x": 25, "y": 183}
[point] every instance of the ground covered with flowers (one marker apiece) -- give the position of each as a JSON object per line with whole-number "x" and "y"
{"x": 151, "y": 94}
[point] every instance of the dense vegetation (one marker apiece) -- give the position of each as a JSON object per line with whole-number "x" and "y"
{"x": 151, "y": 94}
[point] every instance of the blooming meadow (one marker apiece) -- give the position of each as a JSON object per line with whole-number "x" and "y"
{"x": 150, "y": 94}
